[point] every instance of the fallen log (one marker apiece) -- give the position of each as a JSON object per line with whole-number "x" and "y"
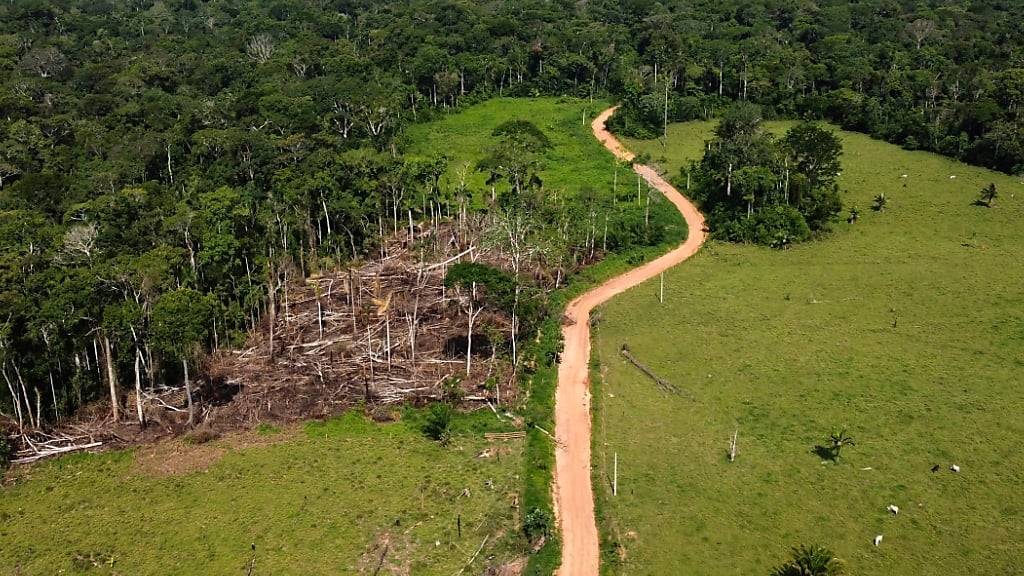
{"x": 662, "y": 383}
{"x": 54, "y": 452}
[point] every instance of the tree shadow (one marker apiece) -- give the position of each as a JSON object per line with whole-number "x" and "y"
{"x": 825, "y": 453}
{"x": 981, "y": 203}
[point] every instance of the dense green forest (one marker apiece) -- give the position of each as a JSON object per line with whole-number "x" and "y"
{"x": 162, "y": 163}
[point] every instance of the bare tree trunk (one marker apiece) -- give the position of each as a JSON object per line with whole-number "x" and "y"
{"x": 515, "y": 326}
{"x": 387, "y": 337}
{"x": 352, "y": 293}
{"x": 412, "y": 331}
{"x": 24, "y": 393}
{"x": 115, "y": 407}
{"x": 369, "y": 349}
{"x": 138, "y": 388}
{"x": 170, "y": 171}
{"x": 665, "y": 118}
{"x": 53, "y": 396}
{"x": 14, "y": 397}
{"x": 469, "y": 336}
{"x": 188, "y": 394}
{"x": 271, "y": 307}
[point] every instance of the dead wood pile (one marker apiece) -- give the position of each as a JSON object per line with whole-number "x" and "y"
{"x": 385, "y": 332}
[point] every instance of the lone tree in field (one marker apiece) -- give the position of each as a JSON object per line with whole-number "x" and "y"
{"x": 811, "y": 561}
{"x": 837, "y": 441}
{"x": 181, "y": 321}
{"x": 988, "y": 195}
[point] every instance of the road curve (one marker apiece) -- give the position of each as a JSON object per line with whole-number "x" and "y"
{"x": 574, "y": 495}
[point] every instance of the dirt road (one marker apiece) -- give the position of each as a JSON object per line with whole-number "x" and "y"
{"x": 574, "y": 496}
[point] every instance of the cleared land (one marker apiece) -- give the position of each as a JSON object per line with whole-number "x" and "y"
{"x": 906, "y": 328}
{"x": 322, "y": 499}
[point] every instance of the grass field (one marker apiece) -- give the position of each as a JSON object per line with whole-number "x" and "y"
{"x": 321, "y": 499}
{"x": 575, "y": 159}
{"x": 906, "y": 328}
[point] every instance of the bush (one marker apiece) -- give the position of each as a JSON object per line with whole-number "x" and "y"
{"x": 438, "y": 426}
{"x": 537, "y": 524}
{"x": 6, "y": 452}
{"x": 811, "y": 561}
{"x": 775, "y": 226}
{"x": 520, "y": 129}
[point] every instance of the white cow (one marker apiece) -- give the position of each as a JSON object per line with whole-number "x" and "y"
{"x": 878, "y": 540}
{"x": 894, "y": 509}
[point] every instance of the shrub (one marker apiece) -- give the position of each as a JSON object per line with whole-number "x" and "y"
{"x": 523, "y": 129}
{"x": 537, "y": 524}
{"x": 810, "y": 561}
{"x": 775, "y": 226}
{"x": 438, "y": 426}
{"x": 6, "y": 452}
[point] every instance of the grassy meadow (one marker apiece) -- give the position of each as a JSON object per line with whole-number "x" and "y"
{"x": 906, "y": 328}
{"x": 575, "y": 159}
{"x": 325, "y": 498}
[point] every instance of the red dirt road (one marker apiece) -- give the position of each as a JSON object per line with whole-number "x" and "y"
{"x": 574, "y": 496}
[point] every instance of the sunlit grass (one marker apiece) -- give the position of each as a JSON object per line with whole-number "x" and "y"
{"x": 317, "y": 502}
{"x": 906, "y": 328}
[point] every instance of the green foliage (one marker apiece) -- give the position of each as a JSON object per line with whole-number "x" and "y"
{"x": 267, "y": 429}
{"x": 815, "y": 152}
{"x": 776, "y": 226}
{"x": 525, "y": 131}
{"x": 498, "y": 284}
{"x": 837, "y": 441}
{"x": 438, "y": 424}
{"x": 879, "y": 202}
{"x": 181, "y": 322}
{"x": 988, "y": 195}
{"x": 810, "y": 561}
{"x": 451, "y": 390}
{"x": 6, "y": 452}
{"x": 764, "y": 191}
{"x": 537, "y": 524}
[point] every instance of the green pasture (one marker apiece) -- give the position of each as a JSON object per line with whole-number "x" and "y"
{"x": 906, "y": 328}
{"x": 326, "y": 498}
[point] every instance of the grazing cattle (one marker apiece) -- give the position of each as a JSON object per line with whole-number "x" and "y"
{"x": 935, "y": 468}
{"x": 954, "y": 468}
{"x": 894, "y": 509}
{"x": 878, "y": 540}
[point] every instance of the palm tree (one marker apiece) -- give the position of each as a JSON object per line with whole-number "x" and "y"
{"x": 880, "y": 203}
{"x": 837, "y": 440}
{"x": 811, "y": 561}
{"x": 988, "y": 195}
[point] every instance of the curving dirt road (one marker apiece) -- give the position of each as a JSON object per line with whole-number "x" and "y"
{"x": 574, "y": 496}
